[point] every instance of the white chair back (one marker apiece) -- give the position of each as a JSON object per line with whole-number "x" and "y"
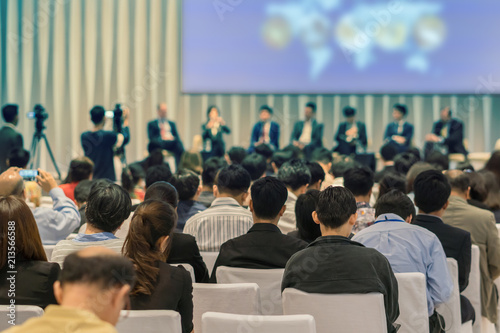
{"x": 209, "y": 258}
{"x": 48, "y": 251}
{"x": 269, "y": 281}
{"x": 22, "y": 313}
{"x": 473, "y": 290}
{"x": 339, "y": 313}
{"x": 222, "y": 322}
{"x": 451, "y": 309}
{"x": 413, "y": 312}
{"x": 241, "y": 298}
{"x": 188, "y": 268}
{"x": 150, "y": 321}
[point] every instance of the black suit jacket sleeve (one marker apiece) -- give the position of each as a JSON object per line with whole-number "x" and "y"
{"x": 153, "y": 131}
{"x": 363, "y": 138}
{"x": 464, "y": 263}
{"x": 456, "y": 134}
{"x": 297, "y": 130}
{"x": 184, "y": 250}
{"x": 317, "y": 136}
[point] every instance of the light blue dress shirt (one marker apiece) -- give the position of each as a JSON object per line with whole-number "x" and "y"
{"x": 410, "y": 248}
{"x": 101, "y": 236}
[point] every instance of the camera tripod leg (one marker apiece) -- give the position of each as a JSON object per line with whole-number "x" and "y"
{"x": 33, "y": 151}
{"x": 51, "y": 155}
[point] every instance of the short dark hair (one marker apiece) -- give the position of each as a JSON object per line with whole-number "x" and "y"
{"x": 359, "y": 180}
{"x": 158, "y": 173}
{"x": 10, "y": 112}
{"x": 349, "y": 112}
{"x": 478, "y": 190}
{"x": 392, "y": 181}
{"x": 131, "y": 175}
{"x": 268, "y": 197}
{"x": 403, "y": 162}
{"x": 186, "y": 183}
{"x": 162, "y": 191}
{"x": 255, "y": 164}
{"x": 294, "y": 174}
{"x": 395, "y": 202}
{"x": 322, "y": 155}
{"x": 19, "y": 158}
{"x": 317, "y": 172}
{"x": 432, "y": 191}
{"x": 266, "y": 108}
{"x": 339, "y": 168}
{"x": 401, "y": 108}
{"x": 465, "y": 165}
{"x": 233, "y": 180}
{"x": 438, "y": 160}
{"x": 305, "y": 205}
{"x": 108, "y": 205}
{"x": 413, "y": 173}
{"x": 280, "y": 157}
{"x": 82, "y": 190}
{"x": 79, "y": 169}
{"x": 97, "y": 114}
{"x": 311, "y": 105}
{"x": 106, "y": 271}
{"x": 388, "y": 152}
{"x": 237, "y": 154}
{"x": 335, "y": 206}
{"x": 264, "y": 150}
{"x": 458, "y": 180}
{"x": 210, "y": 169}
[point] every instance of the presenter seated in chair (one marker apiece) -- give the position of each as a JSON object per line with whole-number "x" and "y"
{"x": 351, "y": 135}
{"x": 307, "y": 134}
{"x": 447, "y": 135}
{"x": 265, "y": 131}
{"x": 399, "y": 132}
{"x": 165, "y": 132}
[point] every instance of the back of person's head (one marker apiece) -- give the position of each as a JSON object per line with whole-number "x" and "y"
{"x": 414, "y": 171}
{"x": 237, "y": 154}
{"x": 10, "y": 113}
{"x": 108, "y": 205}
{"x": 401, "y": 108}
{"x": 317, "y": 173}
{"x": 438, "y": 160}
{"x": 79, "y": 169}
{"x": 395, "y": 202}
{"x": 359, "y": 180}
{"x": 340, "y": 167}
{"x": 82, "y": 190}
{"x": 388, "y": 152}
{"x": 281, "y": 157}
{"x": 349, "y": 112}
{"x": 478, "y": 189}
{"x": 465, "y": 165}
{"x": 432, "y": 191}
{"x": 158, "y": 173}
{"x": 295, "y": 152}
{"x": 163, "y": 191}
{"x": 294, "y": 174}
{"x": 105, "y": 273}
{"x": 210, "y": 169}
{"x": 322, "y": 155}
{"x": 336, "y": 205}
{"x": 97, "y": 114}
{"x": 131, "y": 176}
{"x": 186, "y": 182}
{"x": 264, "y": 150}
{"x": 18, "y": 158}
{"x": 492, "y": 188}
{"x": 233, "y": 180}
{"x": 493, "y": 164}
{"x": 304, "y": 207}
{"x": 392, "y": 181}
{"x": 154, "y": 146}
{"x": 256, "y": 165}
{"x": 268, "y": 198}
{"x": 11, "y": 183}
{"x": 16, "y": 220}
{"x": 404, "y": 161}
{"x": 191, "y": 161}
{"x": 146, "y": 243}
{"x": 415, "y": 152}
{"x": 458, "y": 180}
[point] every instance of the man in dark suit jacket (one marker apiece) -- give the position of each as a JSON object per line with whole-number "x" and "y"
{"x": 432, "y": 191}
{"x": 265, "y": 131}
{"x": 308, "y": 134}
{"x": 164, "y": 131}
{"x": 447, "y": 133}
{"x": 264, "y": 246}
{"x": 399, "y": 133}
{"x": 184, "y": 250}
{"x": 10, "y": 139}
{"x": 351, "y": 134}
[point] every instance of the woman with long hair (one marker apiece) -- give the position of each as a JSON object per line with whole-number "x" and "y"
{"x": 213, "y": 132}
{"x": 80, "y": 168}
{"x": 21, "y": 250}
{"x": 159, "y": 286}
{"x": 307, "y": 229}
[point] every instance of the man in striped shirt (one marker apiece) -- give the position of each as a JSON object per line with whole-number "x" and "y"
{"x": 226, "y": 218}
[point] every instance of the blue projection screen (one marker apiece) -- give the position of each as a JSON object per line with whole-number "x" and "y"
{"x": 340, "y": 46}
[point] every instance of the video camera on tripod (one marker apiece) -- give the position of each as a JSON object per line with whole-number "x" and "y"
{"x": 40, "y": 115}
{"x": 117, "y": 116}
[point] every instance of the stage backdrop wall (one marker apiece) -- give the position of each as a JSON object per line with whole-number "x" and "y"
{"x": 72, "y": 54}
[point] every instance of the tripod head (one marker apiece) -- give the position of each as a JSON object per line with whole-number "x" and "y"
{"x": 40, "y": 116}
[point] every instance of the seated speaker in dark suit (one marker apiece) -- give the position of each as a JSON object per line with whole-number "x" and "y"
{"x": 308, "y": 134}
{"x": 10, "y": 139}
{"x": 399, "y": 133}
{"x": 164, "y": 131}
{"x": 432, "y": 191}
{"x": 351, "y": 135}
{"x": 265, "y": 131}
{"x": 213, "y": 133}
{"x": 264, "y": 246}
{"x": 447, "y": 135}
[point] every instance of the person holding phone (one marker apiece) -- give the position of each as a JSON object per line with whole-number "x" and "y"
{"x": 213, "y": 133}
